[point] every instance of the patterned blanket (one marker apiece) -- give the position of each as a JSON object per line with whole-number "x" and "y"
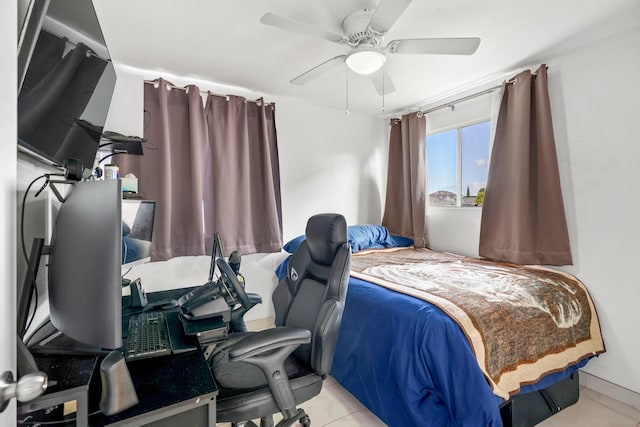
{"x": 522, "y": 322}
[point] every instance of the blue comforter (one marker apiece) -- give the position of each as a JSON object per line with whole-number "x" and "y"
{"x": 410, "y": 363}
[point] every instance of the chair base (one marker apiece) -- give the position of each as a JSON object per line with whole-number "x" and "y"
{"x": 300, "y": 416}
{"x": 260, "y": 402}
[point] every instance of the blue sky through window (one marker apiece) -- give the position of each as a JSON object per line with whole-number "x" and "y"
{"x": 442, "y": 159}
{"x": 475, "y": 157}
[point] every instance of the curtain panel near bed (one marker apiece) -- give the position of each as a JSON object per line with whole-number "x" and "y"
{"x": 242, "y": 177}
{"x": 523, "y": 218}
{"x": 171, "y": 169}
{"x": 405, "y": 205}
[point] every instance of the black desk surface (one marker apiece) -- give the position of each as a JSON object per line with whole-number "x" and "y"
{"x": 166, "y": 380}
{"x": 66, "y": 372}
{"x": 159, "y": 382}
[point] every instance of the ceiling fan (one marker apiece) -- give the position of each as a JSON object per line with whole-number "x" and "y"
{"x": 364, "y": 32}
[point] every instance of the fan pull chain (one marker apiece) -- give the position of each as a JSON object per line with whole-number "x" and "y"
{"x": 346, "y": 107}
{"x": 383, "y": 88}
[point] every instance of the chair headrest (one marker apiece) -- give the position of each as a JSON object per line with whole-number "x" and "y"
{"x": 325, "y": 234}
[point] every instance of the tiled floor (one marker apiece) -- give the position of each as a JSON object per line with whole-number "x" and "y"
{"x": 336, "y": 407}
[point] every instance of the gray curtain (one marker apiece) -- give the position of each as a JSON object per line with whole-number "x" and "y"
{"x": 172, "y": 168}
{"x": 523, "y": 218}
{"x": 242, "y": 180}
{"x": 405, "y": 205}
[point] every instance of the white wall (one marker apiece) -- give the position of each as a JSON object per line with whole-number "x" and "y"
{"x": 595, "y": 102}
{"x": 454, "y": 230}
{"x": 330, "y": 162}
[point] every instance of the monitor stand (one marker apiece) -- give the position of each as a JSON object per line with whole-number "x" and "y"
{"x": 48, "y": 340}
{"x": 28, "y": 287}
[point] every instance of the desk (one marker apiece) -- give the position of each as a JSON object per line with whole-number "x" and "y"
{"x": 70, "y": 378}
{"x": 175, "y": 390}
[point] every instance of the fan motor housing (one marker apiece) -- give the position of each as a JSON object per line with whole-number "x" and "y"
{"x": 356, "y": 28}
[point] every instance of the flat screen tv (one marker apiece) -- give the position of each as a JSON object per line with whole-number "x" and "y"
{"x": 137, "y": 231}
{"x": 66, "y": 81}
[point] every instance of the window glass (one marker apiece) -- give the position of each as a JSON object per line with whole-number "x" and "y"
{"x": 475, "y": 162}
{"x": 442, "y": 154}
{"x": 458, "y": 164}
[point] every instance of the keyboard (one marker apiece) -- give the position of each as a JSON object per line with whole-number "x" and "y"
{"x": 148, "y": 336}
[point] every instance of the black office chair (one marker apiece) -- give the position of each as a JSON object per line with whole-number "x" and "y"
{"x": 263, "y": 373}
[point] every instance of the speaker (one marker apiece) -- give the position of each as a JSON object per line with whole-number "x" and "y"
{"x": 138, "y": 295}
{"x": 118, "y": 392}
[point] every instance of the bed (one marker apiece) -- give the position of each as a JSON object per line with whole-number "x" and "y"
{"x": 414, "y": 358}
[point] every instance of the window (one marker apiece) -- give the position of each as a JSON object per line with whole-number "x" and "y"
{"x": 457, "y": 165}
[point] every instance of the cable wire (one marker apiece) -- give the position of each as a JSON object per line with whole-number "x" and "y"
{"x": 22, "y": 210}
{"x": 47, "y": 181}
{"x": 27, "y": 422}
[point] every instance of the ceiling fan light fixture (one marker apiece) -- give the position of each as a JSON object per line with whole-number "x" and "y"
{"x": 365, "y": 60}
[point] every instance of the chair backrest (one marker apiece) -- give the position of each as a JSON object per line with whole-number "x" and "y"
{"x": 313, "y": 293}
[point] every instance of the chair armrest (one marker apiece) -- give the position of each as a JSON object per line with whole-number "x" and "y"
{"x": 268, "y": 350}
{"x": 254, "y": 298}
{"x": 268, "y": 340}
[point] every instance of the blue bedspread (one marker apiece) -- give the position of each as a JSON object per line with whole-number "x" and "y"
{"x": 410, "y": 363}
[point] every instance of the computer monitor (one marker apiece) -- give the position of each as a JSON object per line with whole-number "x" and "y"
{"x": 85, "y": 286}
{"x": 137, "y": 231}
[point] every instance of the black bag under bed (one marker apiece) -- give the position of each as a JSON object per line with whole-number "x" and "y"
{"x": 529, "y": 409}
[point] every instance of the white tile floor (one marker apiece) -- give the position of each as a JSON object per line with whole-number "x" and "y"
{"x": 336, "y": 407}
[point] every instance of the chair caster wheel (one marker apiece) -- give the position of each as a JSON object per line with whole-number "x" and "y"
{"x": 305, "y": 421}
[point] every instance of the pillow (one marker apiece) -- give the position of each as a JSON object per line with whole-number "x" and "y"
{"x": 362, "y": 237}
{"x": 129, "y": 250}
{"x": 293, "y": 244}
{"x": 126, "y": 230}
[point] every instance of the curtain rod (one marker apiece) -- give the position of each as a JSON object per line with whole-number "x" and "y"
{"x": 172, "y": 86}
{"x": 465, "y": 98}
{"x": 450, "y": 104}
{"x": 89, "y": 51}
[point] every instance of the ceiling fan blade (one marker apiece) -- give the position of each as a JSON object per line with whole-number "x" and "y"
{"x": 387, "y": 14}
{"x": 300, "y": 27}
{"x": 376, "y": 79}
{"x": 450, "y": 46}
{"x": 317, "y": 70}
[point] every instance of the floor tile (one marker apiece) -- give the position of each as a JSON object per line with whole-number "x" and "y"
{"x": 336, "y": 407}
{"x": 362, "y": 418}
{"x": 610, "y": 403}
{"x": 590, "y": 412}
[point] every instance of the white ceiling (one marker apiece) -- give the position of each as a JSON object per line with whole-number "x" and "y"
{"x": 222, "y": 41}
